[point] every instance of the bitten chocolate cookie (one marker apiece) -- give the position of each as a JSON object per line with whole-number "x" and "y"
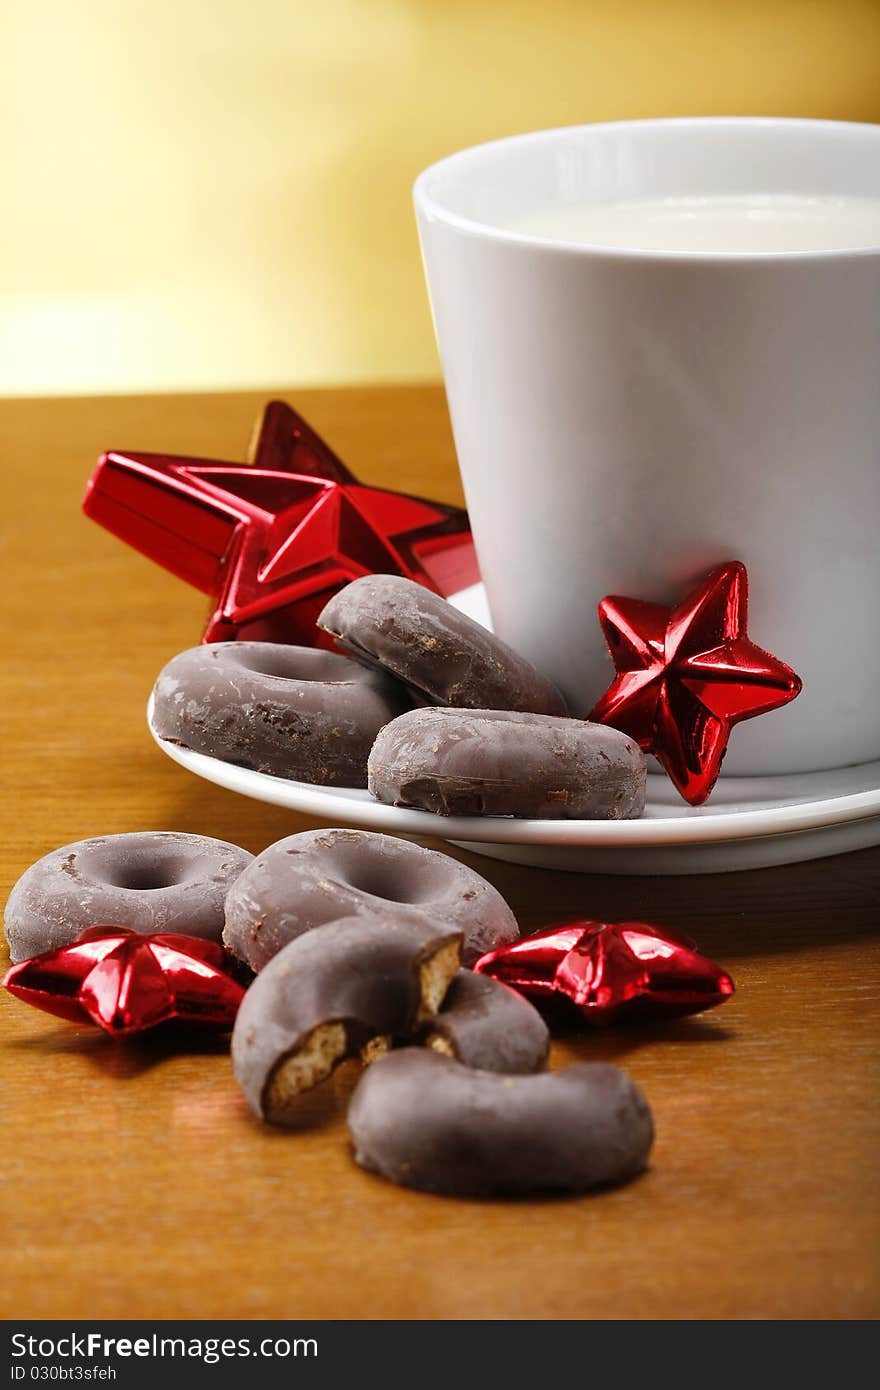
{"x": 292, "y": 711}
{"x": 501, "y": 763}
{"x": 492, "y": 1028}
{"x": 443, "y": 656}
{"x": 319, "y": 876}
{"x": 150, "y": 881}
{"x": 345, "y": 989}
{"x": 426, "y": 1121}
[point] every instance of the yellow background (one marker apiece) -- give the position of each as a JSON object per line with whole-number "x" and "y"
{"x": 217, "y": 192}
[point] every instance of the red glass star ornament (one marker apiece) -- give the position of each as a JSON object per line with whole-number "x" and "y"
{"x": 612, "y": 971}
{"x": 126, "y": 982}
{"x": 686, "y": 675}
{"x": 273, "y": 539}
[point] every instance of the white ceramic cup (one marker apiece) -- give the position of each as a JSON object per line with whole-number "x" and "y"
{"x": 626, "y": 420}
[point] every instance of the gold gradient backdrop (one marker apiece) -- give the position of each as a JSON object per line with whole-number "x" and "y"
{"x": 216, "y": 193}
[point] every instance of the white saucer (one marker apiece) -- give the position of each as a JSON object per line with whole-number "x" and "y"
{"x": 750, "y": 822}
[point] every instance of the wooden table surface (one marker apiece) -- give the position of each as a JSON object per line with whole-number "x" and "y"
{"x": 136, "y": 1182}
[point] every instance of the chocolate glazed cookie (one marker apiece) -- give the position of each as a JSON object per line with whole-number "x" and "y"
{"x": 345, "y": 989}
{"x": 494, "y": 1029}
{"x": 426, "y": 1121}
{"x": 291, "y": 711}
{"x": 149, "y": 881}
{"x": 443, "y": 656}
{"x": 502, "y": 763}
{"x": 322, "y": 875}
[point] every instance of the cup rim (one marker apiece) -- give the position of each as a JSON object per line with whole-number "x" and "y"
{"x": 433, "y": 209}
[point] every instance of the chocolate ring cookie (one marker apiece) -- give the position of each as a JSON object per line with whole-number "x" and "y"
{"x": 426, "y": 1121}
{"x": 292, "y": 711}
{"x": 501, "y": 763}
{"x": 150, "y": 881}
{"x": 443, "y": 656}
{"x": 492, "y": 1029}
{"x": 343, "y": 990}
{"x": 318, "y": 876}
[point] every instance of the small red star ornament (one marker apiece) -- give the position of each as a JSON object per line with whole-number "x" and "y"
{"x": 273, "y": 539}
{"x": 686, "y": 675}
{"x": 612, "y": 971}
{"x": 126, "y": 982}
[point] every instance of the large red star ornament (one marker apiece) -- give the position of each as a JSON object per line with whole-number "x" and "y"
{"x": 125, "y": 982}
{"x": 686, "y": 675}
{"x": 612, "y": 971}
{"x": 273, "y": 539}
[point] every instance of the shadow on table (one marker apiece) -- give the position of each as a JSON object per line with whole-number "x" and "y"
{"x": 610, "y": 1044}
{"x": 822, "y": 903}
{"x": 123, "y": 1058}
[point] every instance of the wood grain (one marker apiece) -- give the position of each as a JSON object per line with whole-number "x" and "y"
{"x": 137, "y": 1184}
